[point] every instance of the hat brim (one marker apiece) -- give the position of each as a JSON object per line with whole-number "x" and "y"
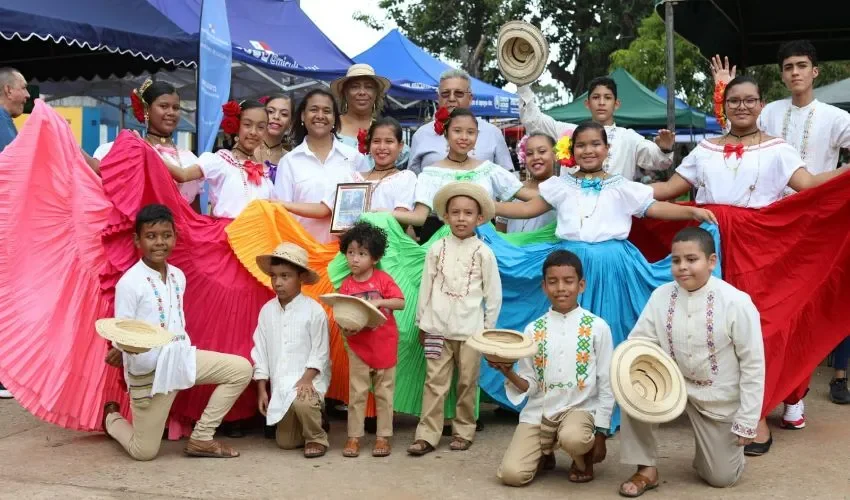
{"x": 502, "y": 346}
{"x": 468, "y": 189}
{"x": 375, "y": 317}
{"x": 338, "y": 84}
{"x": 515, "y": 69}
{"x": 133, "y": 335}
{"x": 264, "y": 262}
{"x": 630, "y": 400}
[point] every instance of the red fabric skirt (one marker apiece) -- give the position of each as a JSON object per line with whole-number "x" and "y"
{"x": 793, "y": 259}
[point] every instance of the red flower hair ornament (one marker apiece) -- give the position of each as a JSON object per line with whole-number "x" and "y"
{"x": 230, "y": 121}
{"x": 138, "y": 102}
{"x": 362, "y": 137}
{"x": 441, "y": 117}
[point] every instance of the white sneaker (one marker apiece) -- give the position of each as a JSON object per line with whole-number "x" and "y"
{"x": 5, "y": 394}
{"x": 794, "y": 416}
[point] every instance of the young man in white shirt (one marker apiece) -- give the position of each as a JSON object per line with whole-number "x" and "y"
{"x": 291, "y": 353}
{"x": 818, "y": 131}
{"x": 628, "y": 149}
{"x": 153, "y": 291}
{"x": 427, "y": 147}
{"x": 566, "y": 386}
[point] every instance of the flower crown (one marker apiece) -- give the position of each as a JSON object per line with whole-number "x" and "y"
{"x": 138, "y": 102}
{"x": 441, "y": 118}
{"x": 561, "y": 149}
{"x": 230, "y": 120}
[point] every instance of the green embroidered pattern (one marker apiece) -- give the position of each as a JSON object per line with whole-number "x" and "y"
{"x": 585, "y": 332}
{"x": 583, "y": 344}
{"x": 448, "y": 174}
{"x": 540, "y": 357}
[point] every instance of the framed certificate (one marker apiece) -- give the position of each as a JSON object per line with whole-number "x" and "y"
{"x": 352, "y": 199}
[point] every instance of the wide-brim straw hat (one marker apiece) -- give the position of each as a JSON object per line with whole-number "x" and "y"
{"x": 353, "y": 313}
{"x": 132, "y": 335}
{"x": 502, "y": 346}
{"x": 358, "y": 71}
{"x": 522, "y": 52}
{"x": 647, "y": 382}
{"x": 470, "y": 189}
{"x": 292, "y": 253}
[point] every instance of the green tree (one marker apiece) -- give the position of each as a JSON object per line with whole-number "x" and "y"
{"x": 645, "y": 59}
{"x": 547, "y": 94}
{"x": 770, "y": 79}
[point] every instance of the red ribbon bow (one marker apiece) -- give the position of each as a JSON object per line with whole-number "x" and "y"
{"x": 254, "y": 172}
{"x": 738, "y": 149}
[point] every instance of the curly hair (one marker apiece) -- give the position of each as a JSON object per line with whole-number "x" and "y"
{"x": 372, "y": 238}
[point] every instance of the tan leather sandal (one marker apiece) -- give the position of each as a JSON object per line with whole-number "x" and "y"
{"x": 209, "y": 449}
{"x": 382, "y": 447}
{"x": 314, "y": 450}
{"x": 643, "y": 485}
{"x": 352, "y": 448}
{"x": 459, "y": 444}
{"x": 420, "y": 447}
{"x": 109, "y": 407}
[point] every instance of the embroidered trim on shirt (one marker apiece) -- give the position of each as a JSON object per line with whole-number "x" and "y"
{"x": 540, "y": 359}
{"x": 743, "y": 431}
{"x": 585, "y": 330}
{"x": 163, "y": 323}
{"x": 583, "y": 343}
{"x": 807, "y": 127}
{"x": 445, "y": 173}
{"x": 441, "y": 263}
{"x": 709, "y": 334}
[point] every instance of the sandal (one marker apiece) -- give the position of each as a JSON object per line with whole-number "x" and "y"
{"x": 314, "y": 450}
{"x": 643, "y": 485}
{"x": 547, "y": 462}
{"x": 109, "y": 407}
{"x": 420, "y": 447}
{"x": 352, "y": 448}
{"x": 209, "y": 449}
{"x": 581, "y": 476}
{"x": 459, "y": 444}
{"x": 382, "y": 447}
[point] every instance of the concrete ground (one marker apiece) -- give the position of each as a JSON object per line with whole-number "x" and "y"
{"x": 40, "y": 461}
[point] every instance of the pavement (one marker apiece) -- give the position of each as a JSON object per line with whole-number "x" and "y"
{"x": 42, "y": 461}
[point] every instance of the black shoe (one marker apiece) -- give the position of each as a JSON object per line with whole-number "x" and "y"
{"x": 758, "y": 449}
{"x": 370, "y": 424}
{"x": 233, "y": 430}
{"x": 447, "y": 431}
{"x": 838, "y": 392}
{"x": 479, "y": 426}
{"x": 270, "y": 431}
{"x": 326, "y": 423}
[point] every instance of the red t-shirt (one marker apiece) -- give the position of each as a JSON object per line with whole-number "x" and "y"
{"x": 377, "y": 347}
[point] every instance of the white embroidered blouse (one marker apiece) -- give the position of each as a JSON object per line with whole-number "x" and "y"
{"x": 571, "y": 370}
{"x": 714, "y": 334}
{"x": 501, "y": 184}
{"x": 230, "y": 188}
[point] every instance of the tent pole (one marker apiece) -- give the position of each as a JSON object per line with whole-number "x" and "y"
{"x": 671, "y": 75}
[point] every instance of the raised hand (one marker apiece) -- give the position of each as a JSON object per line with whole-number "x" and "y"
{"x": 721, "y": 71}
{"x": 665, "y": 139}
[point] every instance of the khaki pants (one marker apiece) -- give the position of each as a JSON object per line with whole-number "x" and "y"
{"x": 438, "y": 377}
{"x": 142, "y": 439}
{"x": 360, "y": 377}
{"x": 575, "y": 436}
{"x": 301, "y": 424}
{"x": 719, "y": 460}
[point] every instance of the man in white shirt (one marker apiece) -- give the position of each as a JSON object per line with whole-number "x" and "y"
{"x": 628, "y": 149}
{"x": 566, "y": 386}
{"x": 153, "y": 291}
{"x": 426, "y": 147}
{"x": 818, "y": 131}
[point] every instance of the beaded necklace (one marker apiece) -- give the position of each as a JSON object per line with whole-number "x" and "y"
{"x": 165, "y": 320}
{"x": 612, "y": 134}
{"x": 807, "y": 127}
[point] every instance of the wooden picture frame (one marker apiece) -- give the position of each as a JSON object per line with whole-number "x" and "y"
{"x": 352, "y": 199}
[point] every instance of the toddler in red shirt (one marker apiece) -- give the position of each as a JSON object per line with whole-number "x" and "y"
{"x": 372, "y": 352}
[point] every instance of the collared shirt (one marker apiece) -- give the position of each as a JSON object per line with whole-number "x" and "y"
{"x": 180, "y": 157}
{"x": 627, "y": 149}
{"x": 595, "y": 210}
{"x": 303, "y": 178}
{"x": 461, "y": 291}
{"x": 427, "y": 148}
{"x": 714, "y": 335}
{"x": 141, "y": 294}
{"x": 817, "y": 131}
{"x": 571, "y": 370}
{"x": 230, "y": 189}
{"x": 8, "y": 131}
{"x": 755, "y": 180}
{"x": 289, "y": 340}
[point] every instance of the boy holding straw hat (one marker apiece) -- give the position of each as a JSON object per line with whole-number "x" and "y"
{"x": 713, "y": 333}
{"x": 152, "y": 291}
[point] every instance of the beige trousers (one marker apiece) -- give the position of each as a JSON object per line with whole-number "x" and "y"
{"x": 142, "y": 438}
{"x": 360, "y": 377}
{"x": 438, "y": 377}
{"x": 301, "y": 424}
{"x": 719, "y": 460}
{"x": 576, "y": 435}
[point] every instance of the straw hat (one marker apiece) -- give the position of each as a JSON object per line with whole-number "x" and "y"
{"x": 132, "y": 335}
{"x": 502, "y": 346}
{"x": 647, "y": 382}
{"x": 292, "y": 253}
{"x": 472, "y": 190}
{"x": 353, "y": 313}
{"x": 522, "y": 52}
{"x": 360, "y": 70}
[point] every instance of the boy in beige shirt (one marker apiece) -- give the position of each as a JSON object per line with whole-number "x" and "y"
{"x": 460, "y": 295}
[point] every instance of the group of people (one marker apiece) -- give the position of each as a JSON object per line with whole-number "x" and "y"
{"x": 458, "y": 173}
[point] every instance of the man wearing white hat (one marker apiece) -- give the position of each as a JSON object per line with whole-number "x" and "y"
{"x": 713, "y": 332}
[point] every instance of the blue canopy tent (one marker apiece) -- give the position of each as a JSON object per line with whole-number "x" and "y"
{"x": 62, "y": 40}
{"x": 397, "y": 58}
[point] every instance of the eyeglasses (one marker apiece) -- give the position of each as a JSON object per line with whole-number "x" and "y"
{"x": 749, "y": 102}
{"x": 458, "y": 94}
